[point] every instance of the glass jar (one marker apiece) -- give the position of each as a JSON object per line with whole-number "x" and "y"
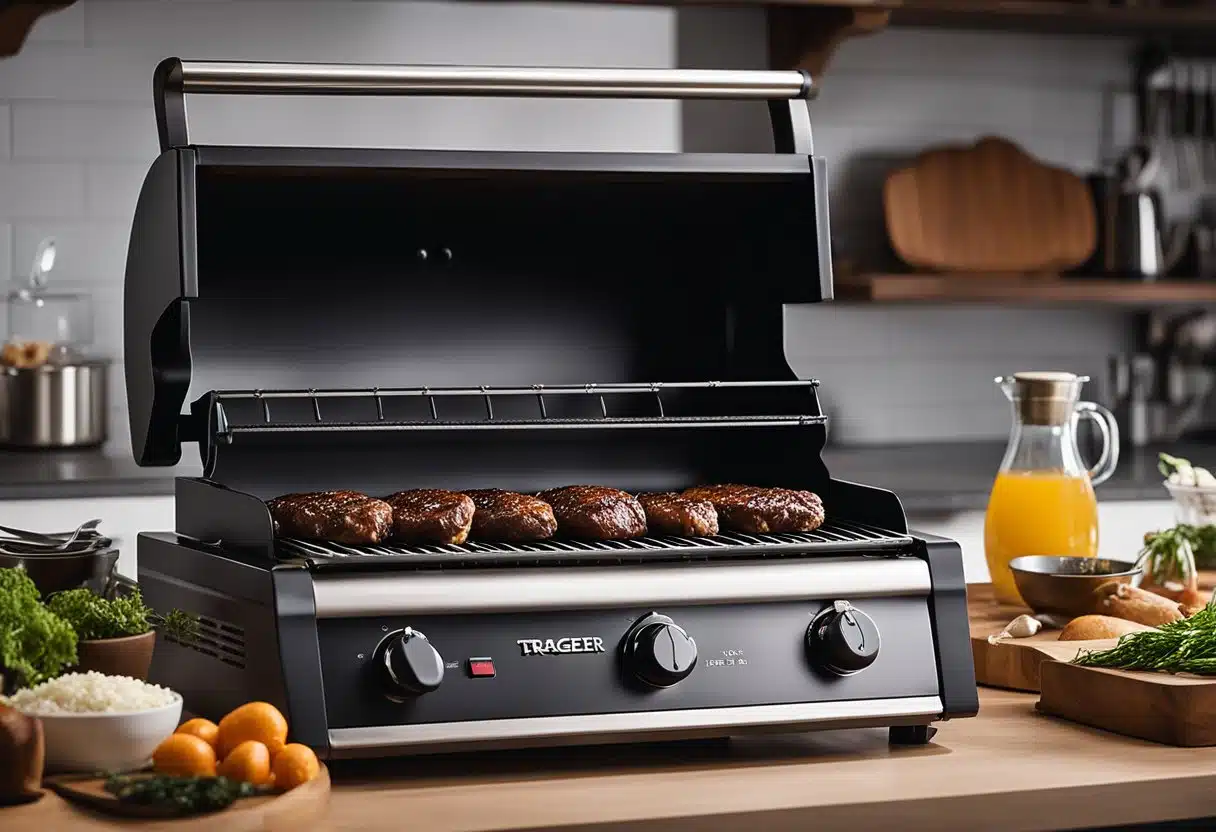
{"x": 1042, "y": 501}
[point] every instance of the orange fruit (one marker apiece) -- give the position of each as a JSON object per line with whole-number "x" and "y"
{"x": 204, "y": 729}
{"x": 259, "y": 721}
{"x": 294, "y": 766}
{"x": 184, "y": 755}
{"x": 249, "y": 762}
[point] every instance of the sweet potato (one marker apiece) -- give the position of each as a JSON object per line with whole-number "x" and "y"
{"x": 1139, "y": 605}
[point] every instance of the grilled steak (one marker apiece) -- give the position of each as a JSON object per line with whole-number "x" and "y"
{"x": 594, "y": 512}
{"x": 431, "y": 515}
{"x": 510, "y": 517}
{"x": 336, "y": 516}
{"x": 745, "y": 508}
{"x": 669, "y": 513}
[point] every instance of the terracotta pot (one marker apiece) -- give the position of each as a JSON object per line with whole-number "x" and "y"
{"x": 127, "y": 656}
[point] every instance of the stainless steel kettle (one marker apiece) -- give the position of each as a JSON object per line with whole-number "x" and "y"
{"x": 1132, "y": 237}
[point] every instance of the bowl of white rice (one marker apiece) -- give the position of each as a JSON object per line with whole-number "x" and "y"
{"x": 98, "y": 723}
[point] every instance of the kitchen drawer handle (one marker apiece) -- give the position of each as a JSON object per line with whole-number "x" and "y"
{"x": 786, "y": 91}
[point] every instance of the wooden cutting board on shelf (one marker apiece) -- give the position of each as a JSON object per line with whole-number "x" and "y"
{"x": 989, "y": 208}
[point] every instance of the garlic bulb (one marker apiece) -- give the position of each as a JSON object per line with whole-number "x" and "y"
{"x": 1024, "y": 626}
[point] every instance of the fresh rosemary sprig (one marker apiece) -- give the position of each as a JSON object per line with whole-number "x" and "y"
{"x": 1186, "y": 646}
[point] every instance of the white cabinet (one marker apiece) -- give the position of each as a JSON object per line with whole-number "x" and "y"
{"x": 1121, "y": 528}
{"x": 122, "y": 518}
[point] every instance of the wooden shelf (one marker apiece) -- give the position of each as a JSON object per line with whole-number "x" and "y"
{"x": 1021, "y": 289}
{"x": 1061, "y": 17}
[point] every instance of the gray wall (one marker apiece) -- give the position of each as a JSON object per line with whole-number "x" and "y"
{"x": 76, "y": 136}
{"x": 77, "y": 131}
{"x": 897, "y": 374}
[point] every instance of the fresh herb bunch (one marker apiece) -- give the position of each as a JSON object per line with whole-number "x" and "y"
{"x": 1202, "y": 540}
{"x": 186, "y": 795}
{"x": 35, "y": 643}
{"x": 94, "y": 617}
{"x": 1170, "y": 555}
{"x": 179, "y": 626}
{"x": 1186, "y": 646}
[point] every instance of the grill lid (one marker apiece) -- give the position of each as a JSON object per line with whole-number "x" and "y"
{"x": 347, "y": 270}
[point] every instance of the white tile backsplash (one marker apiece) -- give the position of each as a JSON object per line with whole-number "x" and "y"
{"x": 84, "y": 131}
{"x": 6, "y": 131}
{"x": 33, "y": 190}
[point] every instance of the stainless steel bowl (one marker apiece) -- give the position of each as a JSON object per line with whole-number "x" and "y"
{"x": 54, "y": 406}
{"x": 1065, "y": 586}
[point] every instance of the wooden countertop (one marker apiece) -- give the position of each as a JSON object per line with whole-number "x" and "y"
{"x": 1009, "y": 768}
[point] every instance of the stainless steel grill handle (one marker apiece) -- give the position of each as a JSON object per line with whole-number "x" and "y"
{"x": 786, "y": 92}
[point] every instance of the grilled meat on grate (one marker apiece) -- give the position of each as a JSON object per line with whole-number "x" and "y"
{"x": 510, "y": 517}
{"x": 595, "y": 512}
{"x": 337, "y": 516}
{"x": 670, "y": 513}
{"x": 431, "y": 515}
{"x": 745, "y": 508}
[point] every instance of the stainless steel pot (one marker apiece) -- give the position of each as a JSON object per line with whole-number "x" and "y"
{"x": 55, "y": 405}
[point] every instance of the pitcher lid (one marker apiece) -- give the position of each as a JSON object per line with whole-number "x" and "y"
{"x": 1045, "y": 397}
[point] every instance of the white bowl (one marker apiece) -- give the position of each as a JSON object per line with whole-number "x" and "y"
{"x": 1193, "y": 504}
{"x": 106, "y": 742}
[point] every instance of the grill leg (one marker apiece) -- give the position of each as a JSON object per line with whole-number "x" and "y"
{"x": 911, "y": 734}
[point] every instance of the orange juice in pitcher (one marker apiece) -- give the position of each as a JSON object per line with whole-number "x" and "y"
{"x": 1042, "y": 502}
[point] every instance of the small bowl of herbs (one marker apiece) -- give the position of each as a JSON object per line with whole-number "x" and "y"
{"x": 116, "y": 635}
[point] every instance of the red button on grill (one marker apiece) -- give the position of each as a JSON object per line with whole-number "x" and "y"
{"x": 481, "y": 668}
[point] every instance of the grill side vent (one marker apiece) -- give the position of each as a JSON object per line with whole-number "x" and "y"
{"x": 219, "y": 640}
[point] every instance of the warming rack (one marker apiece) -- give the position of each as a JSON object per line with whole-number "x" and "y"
{"x": 226, "y": 402}
{"x": 840, "y": 536}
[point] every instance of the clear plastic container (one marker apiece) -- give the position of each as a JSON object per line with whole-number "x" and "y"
{"x": 1194, "y": 505}
{"x": 47, "y": 325}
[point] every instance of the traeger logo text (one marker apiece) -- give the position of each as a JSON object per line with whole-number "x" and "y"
{"x": 549, "y": 646}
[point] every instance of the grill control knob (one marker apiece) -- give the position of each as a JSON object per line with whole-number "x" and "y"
{"x": 658, "y": 652}
{"x": 411, "y": 665}
{"x": 842, "y": 639}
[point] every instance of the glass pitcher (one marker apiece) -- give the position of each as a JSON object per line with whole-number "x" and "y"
{"x": 1043, "y": 502}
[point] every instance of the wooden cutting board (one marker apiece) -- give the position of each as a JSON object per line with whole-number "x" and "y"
{"x": 1174, "y": 710}
{"x": 989, "y": 208}
{"x": 71, "y": 802}
{"x": 1016, "y": 664}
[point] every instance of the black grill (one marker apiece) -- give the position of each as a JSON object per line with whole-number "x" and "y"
{"x": 832, "y": 537}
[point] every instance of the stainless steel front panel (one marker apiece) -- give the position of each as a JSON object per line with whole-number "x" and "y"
{"x": 471, "y": 591}
{"x": 54, "y": 406}
{"x": 354, "y": 742}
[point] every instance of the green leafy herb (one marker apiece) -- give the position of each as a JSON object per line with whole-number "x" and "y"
{"x": 1186, "y": 646}
{"x": 35, "y": 643}
{"x": 1202, "y": 540}
{"x": 94, "y": 617}
{"x": 179, "y": 626}
{"x": 187, "y": 795}
{"x": 1170, "y": 555}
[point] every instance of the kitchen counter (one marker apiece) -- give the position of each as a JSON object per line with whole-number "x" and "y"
{"x": 1008, "y": 769}
{"x": 952, "y": 477}
{"x": 63, "y": 474}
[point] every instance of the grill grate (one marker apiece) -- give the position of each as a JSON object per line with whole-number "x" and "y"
{"x": 831, "y": 537}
